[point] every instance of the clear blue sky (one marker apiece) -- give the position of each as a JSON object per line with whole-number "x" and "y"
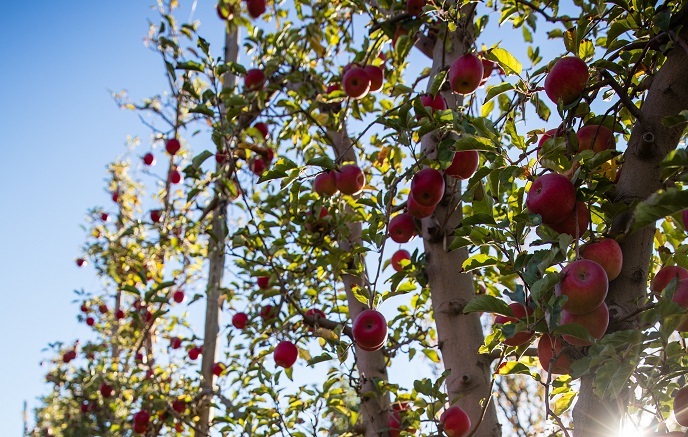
{"x": 60, "y": 128}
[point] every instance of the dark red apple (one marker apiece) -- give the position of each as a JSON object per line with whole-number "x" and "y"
{"x": 595, "y": 323}
{"x": 119, "y": 314}
{"x": 568, "y": 226}
{"x": 102, "y": 308}
{"x": 356, "y": 83}
{"x": 315, "y": 313}
{"x": 546, "y": 136}
{"x": 607, "y": 253}
{"x": 553, "y": 196}
{"x": 156, "y": 215}
{"x": 106, "y": 390}
{"x": 80, "y": 262}
{"x": 349, "y": 179}
{"x": 149, "y": 159}
{"x": 566, "y": 80}
{"x": 417, "y": 210}
{"x": 257, "y": 166}
{"x": 520, "y": 312}
{"x": 415, "y": 7}
{"x": 255, "y": 8}
{"x": 115, "y": 197}
{"x": 433, "y": 104}
{"x": 402, "y": 228}
{"x": 104, "y": 216}
{"x": 90, "y": 321}
{"x": 179, "y": 405}
{"x": 172, "y": 146}
{"x": 268, "y": 312}
{"x": 465, "y": 74}
{"x": 398, "y": 256}
{"x": 455, "y": 422}
{"x": 549, "y": 347}
{"x": 218, "y": 368}
{"x": 325, "y": 183}
{"x": 224, "y": 11}
{"x": 194, "y": 352}
{"x": 376, "y": 76}
{"x": 397, "y": 33}
{"x": 142, "y": 416}
{"x": 684, "y": 218}
{"x": 285, "y": 354}
{"x": 585, "y": 283}
{"x": 175, "y": 342}
{"x": 174, "y": 177}
{"x": 427, "y": 187}
{"x": 140, "y": 428}
{"x": 464, "y": 164}
{"x": 665, "y": 275}
{"x": 255, "y": 77}
{"x": 262, "y": 128}
{"x": 369, "y": 330}
{"x": 263, "y": 282}
{"x": 681, "y": 298}
{"x": 239, "y": 320}
{"x": 178, "y": 296}
{"x": 596, "y": 138}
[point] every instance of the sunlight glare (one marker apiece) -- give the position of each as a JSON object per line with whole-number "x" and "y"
{"x": 629, "y": 430}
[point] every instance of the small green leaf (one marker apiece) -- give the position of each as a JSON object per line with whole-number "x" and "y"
{"x": 190, "y": 66}
{"x": 659, "y": 205}
{"x": 323, "y": 161}
{"x": 506, "y": 60}
{"x": 563, "y": 402}
{"x": 675, "y": 120}
{"x": 513, "y": 368}
{"x": 319, "y": 359}
{"x": 477, "y": 261}
{"x": 471, "y": 142}
{"x": 494, "y": 91}
{"x": 432, "y": 355}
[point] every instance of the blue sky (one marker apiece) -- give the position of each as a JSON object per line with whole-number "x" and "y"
{"x": 60, "y": 128}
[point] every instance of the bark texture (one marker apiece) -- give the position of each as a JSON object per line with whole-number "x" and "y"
{"x": 371, "y": 366}
{"x": 216, "y": 268}
{"x": 649, "y": 143}
{"x": 460, "y": 335}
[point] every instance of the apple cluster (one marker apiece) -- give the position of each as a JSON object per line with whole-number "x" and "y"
{"x": 358, "y": 81}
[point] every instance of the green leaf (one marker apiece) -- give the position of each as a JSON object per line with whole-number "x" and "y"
{"x": 506, "y": 60}
{"x": 190, "y": 66}
{"x": 488, "y": 304}
{"x": 659, "y": 205}
{"x": 574, "y": 330}
{"x": 471, "y": 142}
{"x": 437, "y": 83}
{"x": 675, "y": 120}
{"x": 477, "y": 261}
{"x": 319, "y": 359}
{"x": 323, "y": 161}
{"x": 563, "y": 402}
{"x": 513, "y": 368}
{"x": 198, "y": 160}
{"x": 360, "y": 294}
{"x": 202, "y": 109}
{"x": 494, "y": 91}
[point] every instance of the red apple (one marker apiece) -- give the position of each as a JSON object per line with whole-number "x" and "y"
{"x": 417, "y": 210}
{"x": 142, "y": 416}
{"x": 319, "y": 224}
{"x": 221, "y": 157}
{"x": 285, "y": 354}
{"x": 179, "y": 405}
{"x": 369, "y": 330}
{"x": 255, "y": 8}
{"x": 546, "y": 136}
{"x": 255, "y": 77}
{"x": 175, "y": 342}
{"x": 262, "y": 128}
{"x": 395, "y": 421}
{"x": 224, "y": 11}
{"x": 263, "y": 282}
{"x": 218, "y": 368}
{"x": 90, "y": 321}
{"x": 172, "y": 146}
{"x": 596, "y": 138}
{"x": 585, "y": 283}
{"x": 465, "y": 74}
{"x": 178, "y": 296}
{"x": 684, "y": 218}
{"x": 315, "y": 313}
{"x": 402, "y": 228}
{"x": 595, "y": 323}
{"x": 464, "y": 164}
{"x": 398, "y": 256}
{"x": 415, "y": 7}
{"x": 349, "y": 179}
{"x": 80, "y": 262}
{"x": 140, "y": 428}
{"x": 568, "y": 226}
{"x": 174, "y": 177}
{"x": 433, "y": 104}
{"x": 156, "y": 215}
{"x": 325, "y": 183}
{"x": 681, "y": 406}
{"x": 194, "y": 352}
{"x": 268, "y": 312}
{"x": 115, "y": 196}
{"x": 104, "y": 216}
{"x": 552, "y": 196}
{"x": 397, "y": 33}
{"x": 333, "y": 87}
{"x": 356, "y": 83}
{"x": 102, "y": 308}
{"x": 520, "y": 312}
{"x": 427, "y": 187}
{"x": 119, "y": 314}
{"x": 566, "y": 80}
{"x": 681, "y": 298}
{"x": 665, "y": 275}
{"x": 105, "y": 390}
{"x": 149, "y": 159}
{"x": 239, "y": 320}
{"x": 376, "y": 76}
{"x": 455, "y": 422}
{"x": 257, "y": 166}
{"x": 488, "y": 67}
{"x": 549, "y": 347}
{"x": 607, "y": 253}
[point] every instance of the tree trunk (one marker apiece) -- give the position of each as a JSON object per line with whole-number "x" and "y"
{"x": 371, "y": 366}
{"x": 649, "y": 143}
{"x": 216, "y": 268}
{"x": 460, "y": 335}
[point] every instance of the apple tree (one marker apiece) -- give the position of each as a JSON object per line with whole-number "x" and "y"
{"x": 544, "y": 293}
